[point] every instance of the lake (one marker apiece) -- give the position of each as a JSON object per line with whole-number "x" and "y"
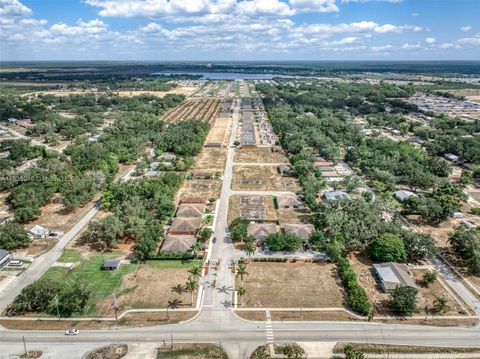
{"x": 225, "y": 75}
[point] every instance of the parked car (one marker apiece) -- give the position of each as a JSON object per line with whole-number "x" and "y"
{"x": 15, "y": 263}
{"x": 72, "y": 332}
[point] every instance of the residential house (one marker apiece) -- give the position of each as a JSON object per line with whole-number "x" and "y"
{"x": 178, "y": 243}
{"x": 301, "y": 230}
{"x": 194, "y": 200}
{"x": 284, "y": 169}
{"x": 392, "y": 275}
{"x": 261, "y": 231}
{"x": 5, "y": 257}
{"x": 38, "y": 231}
{"x": 185, "y": 226}
{"x": 336, "y": 195}
{"x": 289, "y": 201}
{"x": 402, "y": 195}
{"x": 190, "y": 210}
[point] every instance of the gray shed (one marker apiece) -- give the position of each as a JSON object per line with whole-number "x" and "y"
{"x": 111, "y": 264}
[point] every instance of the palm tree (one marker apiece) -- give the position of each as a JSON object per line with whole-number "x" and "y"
{"x": 196, "y": 248}
{"x": 191, "y": 286}
{"x": 249, "y": 248}
{"x": 241, "y": 292}
{"x": 195, "y": 271}
{"x": 242, "y": 270}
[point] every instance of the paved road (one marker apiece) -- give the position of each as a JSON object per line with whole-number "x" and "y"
{"x": 216, "y": 321}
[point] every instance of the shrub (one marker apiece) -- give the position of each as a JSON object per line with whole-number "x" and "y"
{"x": 404, "y": 301}
{"x": 357, "y": 297}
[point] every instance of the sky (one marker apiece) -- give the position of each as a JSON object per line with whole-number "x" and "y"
{"x": 239, "y": 30}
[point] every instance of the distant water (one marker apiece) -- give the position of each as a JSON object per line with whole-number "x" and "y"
{"x": 225, "y": 75}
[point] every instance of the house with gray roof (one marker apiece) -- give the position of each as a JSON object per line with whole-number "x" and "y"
{"x": 392, "y": 275}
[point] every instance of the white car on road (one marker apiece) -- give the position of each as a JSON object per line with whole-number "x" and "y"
{"x": 72, "y": 332}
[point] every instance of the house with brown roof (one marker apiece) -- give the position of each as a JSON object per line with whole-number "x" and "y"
{"x": 290, "y": 201}
{"x": 323, "y": 163}
{"x": 185, "y": 226}
{"x": 194, "y": 199}
{"x": 261, "y": 230}
{"x": 301, "y": 230}
{"x": 190, "y": 210}
{"x": 178, "y": 243}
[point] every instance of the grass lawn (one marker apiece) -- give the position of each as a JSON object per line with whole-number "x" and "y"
{"x": 173, "y": 264}
{"x": 70, "y": 255}
{"x": 192, "y": 351}
{"x": 103, "y": 283}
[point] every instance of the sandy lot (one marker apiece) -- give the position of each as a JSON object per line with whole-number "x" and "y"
{"x": 211, "y": 159}
{"x": 204, "y": 109}
{"x": 288, "y": 284}
{"x": 259, "y": 155}
{"x": 200, "y": 187}
{"x": 220, "y": 131}
{"x": 260, "y": 178}
{"x": 292, "y": 216}
{"x": 235, "y": 206}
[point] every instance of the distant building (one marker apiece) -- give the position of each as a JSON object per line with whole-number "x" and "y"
{"x": 38, "y": 231}
{"x": 336, "y": 195}
{"x": 190, "y": 210}
{"x": 168, "y": 157}
{"x": 5, "y": 257}
{"x": 194, "y": 199}
{"x": 402, "y": 195}
{"x": 111, "y": 264}
{"x": 284, "y": 169}
{"x": 392, "y": 275}
{"x": 451, "y": 157}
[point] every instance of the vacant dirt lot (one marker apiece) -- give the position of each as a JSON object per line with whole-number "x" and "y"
{"x": 200, "y": 187}
{"x": 235, "y": 207}
{"x": 220, "y": 131}
{"x": 259, "y": 178}
{"x": 211, "y": 159}
{"x": 259, "y": 155}
{"x": 425, "y": 296}
{"x": 289, "y": 284}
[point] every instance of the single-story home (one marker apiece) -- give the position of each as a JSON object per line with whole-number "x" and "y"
{"x": 178, "y": 244}
{"x": 303, "y": 231}
{"x": 284, "y": 169}
{"x": 168, "y": 157}
{"x": 392, "y": 275}
{"x": 323, "y": 163}
{"x": 336, "y": 195}
{"x": 402, "y": 195}
{"x": 277, "y": 149}
{"x": 290, "y": 201}
{"x": 194, "y": 199}
{"x": 451, "y": 157}
{"x": 261, "y": 230}
{"x": 38, "y": 231}
{"x": 185, "y": 226}
{"x": 5, "y": 257}
{"x": 111, "y": 264}
{"x": 190, "y": 210}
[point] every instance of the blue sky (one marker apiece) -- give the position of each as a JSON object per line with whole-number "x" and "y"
{"x": 239, "y": 30}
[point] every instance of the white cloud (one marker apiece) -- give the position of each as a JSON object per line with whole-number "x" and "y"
{"x": 415, "y": 14}
{"x": 355, "y": 27}
{"x": 408, "y": 46}
{"x": 430, "y": 40}
{"x": 255, "y": 8}
{"x": 466, "y": 28}
{"x": 381, "y": 48}
{"x": 364, "y": 1}
{"x": 81, "y": 28}
{"x": 13, "y": 8}
{"x": 314, "y": 5}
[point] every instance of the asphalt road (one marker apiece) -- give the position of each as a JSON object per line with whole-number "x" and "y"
{"x": 216, "y": 322}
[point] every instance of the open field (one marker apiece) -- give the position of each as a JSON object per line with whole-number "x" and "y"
{"x": 200, "y": 187}
{"x": 425, "y": 296}
{"x": 220, "y": 131}
{"x": 191, "y": 351}
{"x": 193, "y": 109}
{"x": 289, "y": 284}
{"x": 236, "y": 206}
{"x": 260, "y": 178}
{"x": 259, "y": 155}
{"x": 152, "y": 284}
{"x": 286, "y": 215}
{"x": 210, "y": 159}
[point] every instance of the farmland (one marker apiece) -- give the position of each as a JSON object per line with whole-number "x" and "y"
{"x": 194, "y": 109}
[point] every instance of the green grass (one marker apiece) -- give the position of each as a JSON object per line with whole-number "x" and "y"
{"x": 172, "y": 263}
{"x": 193, "y": 351}
{"x": 70, "y": 255}
{"x": 103, "y": 283}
